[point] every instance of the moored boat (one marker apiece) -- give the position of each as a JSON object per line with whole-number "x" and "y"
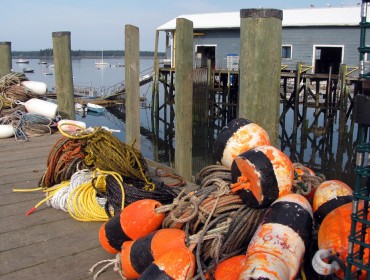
{"x": 95, "y": 107}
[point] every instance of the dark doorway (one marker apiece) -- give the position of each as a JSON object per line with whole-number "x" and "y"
{"x": 203, "y": 53}
{"x": 326, "y": 57}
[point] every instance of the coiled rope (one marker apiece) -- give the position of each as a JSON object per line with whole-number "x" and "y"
{"x": 65, "y": 158}
{"x": 134, "y": 190}
{"x": 105, "y": 151}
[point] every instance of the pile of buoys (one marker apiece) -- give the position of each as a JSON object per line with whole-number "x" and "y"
{"x": 253, "y": 215}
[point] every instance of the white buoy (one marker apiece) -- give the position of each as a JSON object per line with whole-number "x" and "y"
{"x": 39, "y": 88}
{"x": 6, "y": 130}
{"x": 41, "y": 107}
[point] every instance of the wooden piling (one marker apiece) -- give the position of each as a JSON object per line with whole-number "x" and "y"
{"x": 260, "y": 62}
{"x": 184, "y": 98}
{"x": 63, "y": 74}
{"x": 132, "y": 76}
{"x": 5, "y": 58}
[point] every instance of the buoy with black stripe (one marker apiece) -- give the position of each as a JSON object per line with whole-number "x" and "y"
{"x": 238, "y": 136}
{"x": 137, "y": 255}
{"x": 328, "y": 196}
{"x": 333, "y": 241}
{"x": 261, "y": 175}
{"x": 231, "y": 268}
{"x": 278, "y": 246}
{"x": 135, "y": 220}
{"x": 177, "y": 264}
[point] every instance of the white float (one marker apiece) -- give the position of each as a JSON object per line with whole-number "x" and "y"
{"x": 41, "y": 107}
{"x": 6, "y": 130}
{"x": 39, "y": 88}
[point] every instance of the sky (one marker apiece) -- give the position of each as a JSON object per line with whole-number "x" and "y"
{"x": 98, "y": 24}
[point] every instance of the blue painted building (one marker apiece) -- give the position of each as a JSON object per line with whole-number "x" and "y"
{"x": 320, "y": 37}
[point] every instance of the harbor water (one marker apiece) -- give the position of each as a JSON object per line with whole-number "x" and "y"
{"x": 326, "y": 147}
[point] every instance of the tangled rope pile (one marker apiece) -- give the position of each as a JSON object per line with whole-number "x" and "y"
{"x": 215, "y": 220}
{"x": 11, "y": 91}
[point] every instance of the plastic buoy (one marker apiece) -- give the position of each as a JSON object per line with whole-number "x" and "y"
{"x": 176, "y": 264}
{"x": 6, "y": 130}
{"x": 137, "y": 255}
{"x": 71, "y": 125}
{"x": 136, "y": 220}
{"x": 278, "y": 246}
{"x": 328, "y": 196}
{"x": 238, "y": 136}
{"x": 39, "y": 88}
{"x": 333, "y": 236}
{"x": 231, "y": 268}
{"x": 41, "y": 107}
{"x": 261, "y": 175}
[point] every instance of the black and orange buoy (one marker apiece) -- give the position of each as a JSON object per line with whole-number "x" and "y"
{"x": 137, "y": 255}
{"x": 238, "y": 136}
{"x": 328, "y": 196}
{"x": 135, "y": 220}
{"x": 278, "y": 246}
{"x": 261, "y": 175}
{"x": 178, "y": 264}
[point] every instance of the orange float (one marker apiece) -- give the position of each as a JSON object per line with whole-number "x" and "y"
{"x": 238, "y": 136}
{"x": 278, "y": 246}
{"x": 328, "y": 196}
{"x": 176, "y": 264}
{"x": 135, "y": 220}
{"x": 261, "y": 175}
{"x": 333, "y": 240}
{"x": 137, "y": 255}
{"x": 230, "y": 269}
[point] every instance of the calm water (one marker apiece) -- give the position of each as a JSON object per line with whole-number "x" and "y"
{"x": 331, "y": 153}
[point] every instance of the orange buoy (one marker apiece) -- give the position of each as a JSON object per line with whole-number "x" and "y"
{"x": 278, "y": 246}
{"x": 176, "y": 264}
{"x": 238, "y": 136}
{"x": 261, "y": 175}
{"x": 137, "y": 255}
{"x": 333, "y": 235}
{"x": 135, "y": 220}
{"x": 230, "y": 269}
{"x": 328, "y": 196}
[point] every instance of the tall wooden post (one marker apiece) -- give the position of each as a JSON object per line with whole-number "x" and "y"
{"x": 132, "y": 76}
{"x": 184, "y": 98}
{"x": 5, "y": 58}
{"x": 260, "y": 63}
{"x": 63, "y": 74}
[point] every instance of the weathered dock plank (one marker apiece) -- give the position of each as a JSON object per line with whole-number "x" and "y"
{"x": 48, "y": 244}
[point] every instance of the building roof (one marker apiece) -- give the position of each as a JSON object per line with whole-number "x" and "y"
{"x": 328, "y": 16}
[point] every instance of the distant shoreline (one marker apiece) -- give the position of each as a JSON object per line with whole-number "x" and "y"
{"x": 47, "y": 54}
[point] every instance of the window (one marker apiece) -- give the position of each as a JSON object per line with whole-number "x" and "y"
{"x": 286, "y": 52}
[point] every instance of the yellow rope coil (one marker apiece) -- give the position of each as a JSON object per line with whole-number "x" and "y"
{"x": 82, "y": 203}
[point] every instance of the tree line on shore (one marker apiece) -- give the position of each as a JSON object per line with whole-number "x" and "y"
{"x": 48, "y": 53}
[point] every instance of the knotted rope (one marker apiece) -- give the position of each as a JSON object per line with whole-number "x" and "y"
{"x": 307, "y": 181}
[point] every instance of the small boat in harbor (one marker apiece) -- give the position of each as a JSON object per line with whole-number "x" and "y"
{"x": 28, "y": 70}
{"x": 21, "y": 60}
{"x": 95, "y": 107}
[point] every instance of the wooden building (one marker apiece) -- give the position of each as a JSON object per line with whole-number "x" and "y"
{"x": 321, "y": 37}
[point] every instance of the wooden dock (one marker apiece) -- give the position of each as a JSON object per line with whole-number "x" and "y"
{"x": 47, "y": 244}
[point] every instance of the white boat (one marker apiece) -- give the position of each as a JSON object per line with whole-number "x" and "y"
{"x": 101, "y": 63}
{"x": 95, "y": 107}
{"x": 21, "y": 60}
